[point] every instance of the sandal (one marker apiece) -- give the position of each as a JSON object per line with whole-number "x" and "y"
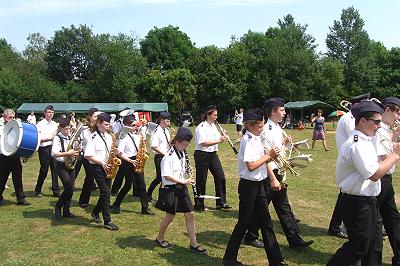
{"x": 162, "y": 244}
{"x": 198, "y": 249}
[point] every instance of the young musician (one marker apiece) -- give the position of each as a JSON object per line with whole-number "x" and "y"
{"x": 60, "y": 151}
{"x": 129, "y": 148}
{"x": 344, "y": 129}
{"x": 206, "y": 158}
{"x": 48, "y": 129}
{"x": 97, "y": 152}
{"x": 358, "y": 175}
{"x": 88, "y": 183}
{"x": 386, "y": 200}
{"x": 159, "y": 143}
{"x": 173, "y": 169}
{"x": 11, "y": 164}
{"x": 239, "y": 122}
{"x": 252, "y": 194}
{"x": 272, "y": 135}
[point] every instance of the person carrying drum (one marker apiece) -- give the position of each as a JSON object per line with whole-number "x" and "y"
{"x": 11, "y": 164}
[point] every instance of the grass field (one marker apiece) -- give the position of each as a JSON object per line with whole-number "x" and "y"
{"x": 31, "y": 236}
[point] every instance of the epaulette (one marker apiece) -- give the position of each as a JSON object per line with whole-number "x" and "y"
{"x": 171, "y": 151}
{"x": 250, "y": 136}
{"x": 355, "y": 138}
{"x": 94, "y": 135}
{"x": 270, "y": 127}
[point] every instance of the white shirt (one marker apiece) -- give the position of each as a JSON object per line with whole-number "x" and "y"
{"x": 382, "y": 143}
{"x": 85, "y": 135}
{"x": 205, "y": 132}
{"x": 251, "y": 149}
{"x": 117, "y": 126}
{"x": 31, "y": 119}
{"x": 239, "y": 119}
{"x": 56, "y": 148}
{"x": 172, "y": 165}
{"x": 356, "y": 163}
{"x": 160, "y": 139}
{"x": 273, "y": 133}
{"x": 46, "y": 130}
{"x": 345, "y": 126}
{"x": 96, "y": 147}
{"x": 2, "y": 125}
{"x": 126, "y": 145}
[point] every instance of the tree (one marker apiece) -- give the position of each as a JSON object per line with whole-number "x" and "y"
{"x": 166, "y": 48}
{"x": 35, "y": 51}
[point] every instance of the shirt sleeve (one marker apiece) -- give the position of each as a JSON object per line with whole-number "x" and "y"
{"x": 201, "y": 135}
{"x": 249, "y": 152}
{"x": 167, "y": 166}
{"x": 56, "y": 148}
{"x": 155, "y": 140}
{"x": 365, "y": 160}
{"x": 90, "y": 149}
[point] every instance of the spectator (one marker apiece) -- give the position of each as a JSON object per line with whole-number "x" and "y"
{"x": 319, "y": 129}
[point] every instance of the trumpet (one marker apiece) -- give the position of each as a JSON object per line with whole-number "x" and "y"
{"x": 292, "y": 147}
{"x": 223, "y": 132}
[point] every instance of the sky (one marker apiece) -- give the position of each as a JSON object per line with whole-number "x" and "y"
{"x": 206, "y": 22}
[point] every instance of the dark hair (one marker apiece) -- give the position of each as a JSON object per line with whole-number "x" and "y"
{"x": 319, "y": 111}
{"x": 92, "y": 111}
{"x": 269, "y": 111}
{"x": 366, "y": 115}
{"x": 64, "y": 122}
{"x": 249, "y": 123}
{"x": 103, "y": 117}
{"x": 129, "y": 119}
{"x": 207, "y": 113}
{"x": 392, "y": 107}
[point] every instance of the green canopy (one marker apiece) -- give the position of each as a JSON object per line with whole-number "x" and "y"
{"x": 84, "y": 107}
{"x": 307, "y": 105}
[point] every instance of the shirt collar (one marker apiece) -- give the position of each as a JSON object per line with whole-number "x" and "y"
{"x": 362, "y": 135}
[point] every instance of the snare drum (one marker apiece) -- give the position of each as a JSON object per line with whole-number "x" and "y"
{"x": 20, "y": 139}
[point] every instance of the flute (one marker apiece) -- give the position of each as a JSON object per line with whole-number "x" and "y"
{"x": 223, "y": 132}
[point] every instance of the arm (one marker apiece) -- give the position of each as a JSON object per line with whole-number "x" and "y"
{"x": 389, "y": 162}
{"x": 275, "y": 184}
{"x": 179, "y": 181}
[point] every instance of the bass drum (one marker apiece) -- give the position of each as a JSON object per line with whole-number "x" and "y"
{"x": 19, "y": 139}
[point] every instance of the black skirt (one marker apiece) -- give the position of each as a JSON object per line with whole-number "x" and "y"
{"x": 182, "y": 202}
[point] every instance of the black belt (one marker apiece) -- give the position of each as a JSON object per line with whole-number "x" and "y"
{"x": 358, "y": 197}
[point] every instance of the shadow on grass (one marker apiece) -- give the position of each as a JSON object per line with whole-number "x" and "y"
{"x": 176, "y": 255}
{"x": 49, "y": 214}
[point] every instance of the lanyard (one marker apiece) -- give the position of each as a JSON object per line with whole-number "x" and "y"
{"x": 133, "y": 142}
{"x": 105, "y": 143}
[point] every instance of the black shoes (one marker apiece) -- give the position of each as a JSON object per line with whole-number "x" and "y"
{"x": 147, "y": 212}
{"x": 339, "y": 234}
{"x": 68, "y": 214}
{"x": 56, "y": 194}
{"x": 300, "y": 243}
{"x": 111, "y": 226}
{"x": 38, "y": 194}
{"x": 200, "y": 208}
{"x": 255, "y": 243}
{"x": 83, "y": 205}
{"x": 57, "y": 213}
{"x": 198, "y": 249}
{"x": 1, "y": 202}
{"x": 115, "y": 209}
{"x": 149, "y": 198}
{"x": 231, "y": 262}
{"x": 23, "y": 202}
{"x": 96, "y": 217}
{"x": 224, "y": 206}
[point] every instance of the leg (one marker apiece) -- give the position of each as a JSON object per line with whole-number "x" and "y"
{"x": 87, "y": 184}
{"x": 54, "y": 178}
{"x": 189, "y": 217}
{"x": 128, "y": 173}
{"x": 164, "y": 225}
{"x": 202, "y": 162}
{"x": 5, "y": 171}
{"x": 117, "y": 183}
{"x": 138, "y": 179}
{"x": 44, "y": 159}
{"x": 16, "y": 165}
{"x": 104, "y": 187}
{"x": 312, "y": 144}
{"x": 157, "y": 179}
{"x": 336, "y": 221}
{"x": 219, "y": 179}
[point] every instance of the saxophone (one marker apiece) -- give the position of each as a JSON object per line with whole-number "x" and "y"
{"x": 113, "y": 160}
{"x": 141, "y": 156}
{"x": 76, "y": 144}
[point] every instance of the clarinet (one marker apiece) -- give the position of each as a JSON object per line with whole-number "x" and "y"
{"x": 189, "y": 171}
{"x": 221, "y": 131}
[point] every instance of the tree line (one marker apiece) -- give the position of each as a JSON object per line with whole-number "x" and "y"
{"x": 76, "y": 65}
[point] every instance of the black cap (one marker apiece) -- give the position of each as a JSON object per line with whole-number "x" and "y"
{"x": 361, "y": 97}
{"x": 253, "y": 114}
{"x": 366, "y": 106}
{"x": 103, "y": 117}
{"x": 64, "y": 122}
{"x": 274, "y": 102}
{"x": 49, "y": 107}
{"x": 391, "y": 100}
{"x": 129, "y": 119}
{"x": 184, "y": 133}
{"x": 165, "y": 115}
{"x": 210, "y": 108}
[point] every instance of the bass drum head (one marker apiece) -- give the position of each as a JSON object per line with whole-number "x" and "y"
{"x": 11, "y": 138}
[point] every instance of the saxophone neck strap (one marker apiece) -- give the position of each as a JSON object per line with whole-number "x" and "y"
{"x": 134, "y": 143}
{"x": 105, "y": 143}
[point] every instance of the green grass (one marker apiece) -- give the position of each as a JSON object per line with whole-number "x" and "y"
{"x": 31, "y": 236}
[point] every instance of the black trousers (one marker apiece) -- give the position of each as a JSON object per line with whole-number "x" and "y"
{"x": 78, "y": 165}
{"x": 87, "y": 183}
{"x": 253, "y": 206}
{"x": 390, "y": 216}
{"x": 336, "y": 219}
{"x": 11, "y": 164}
{"x": 283, "y": 210}
{"x": 128, "y": 170}
{"x": 364, "y": 228}
{"x": 117, "y": 182}
{"x": 157, "y": 179}
{"x": 104, "y": 184}
{"x": 45, "y": 161}
{"x": 68, "y": 179}
{"x": 205, "y": 161}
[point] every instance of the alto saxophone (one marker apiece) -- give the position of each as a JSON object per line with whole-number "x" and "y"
{"x": 113, "y": 160}
{"x": 74, "y": 143}
{"x": 141, "y": 156}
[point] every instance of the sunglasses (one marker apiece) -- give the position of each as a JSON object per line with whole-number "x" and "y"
{"x": 376, "y": 121}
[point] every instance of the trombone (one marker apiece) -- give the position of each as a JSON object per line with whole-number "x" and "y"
{"x": 346, "y": 105}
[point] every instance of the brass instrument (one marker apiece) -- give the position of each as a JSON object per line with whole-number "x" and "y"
{"x": 223, "y": 132}
{"x": 113, "y": 160}
{"x": 76, "y": 144}
{"x": 281, "y": 162}
{"x": 172, "y": 132}
{"x": 142, "y": 156}
{"x": 292, "y": 148}
{"x": 346, "y": 105}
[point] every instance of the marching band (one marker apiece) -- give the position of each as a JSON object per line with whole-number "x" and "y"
{"x": 368, "y": 150}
